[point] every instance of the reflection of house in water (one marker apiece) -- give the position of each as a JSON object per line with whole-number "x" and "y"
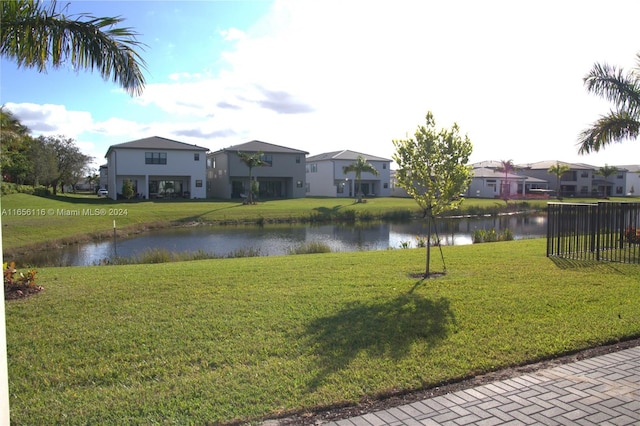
{"x": 343, "y": 238}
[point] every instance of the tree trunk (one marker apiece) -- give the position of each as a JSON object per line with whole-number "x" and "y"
{"x": 427, "y": 271}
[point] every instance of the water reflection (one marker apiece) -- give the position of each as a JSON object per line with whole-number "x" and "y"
{"x": 279, "y": 239}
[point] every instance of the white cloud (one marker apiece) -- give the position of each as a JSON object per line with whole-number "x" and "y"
{"x": 51, "y": 119}
{"x": 232, "y": 34}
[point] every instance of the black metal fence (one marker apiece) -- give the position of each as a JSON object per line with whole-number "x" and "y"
{"x": 605, "y": 231}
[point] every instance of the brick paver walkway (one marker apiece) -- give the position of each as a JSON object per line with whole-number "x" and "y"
{"x": 604, "y": 390}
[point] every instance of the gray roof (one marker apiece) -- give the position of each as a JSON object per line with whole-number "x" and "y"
{"x": 484, "y": 172}
{"x": 344, "y": 155}
{"x": 632, "y": 168}
{"x": 489, "y": 164}
{"x": 545, "y": 165}
{"x": 259, "y": 146}
{"x": 156, "y": 142}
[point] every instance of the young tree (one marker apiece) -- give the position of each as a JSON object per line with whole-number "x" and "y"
{"x": 432, "y": 168}
{"x": 251, "y": 161}
{"x": 622, "y": 122}
{"x": 35, "y": 34}
{"x": 360, "y": 166}
{"x": 558, "y": 170}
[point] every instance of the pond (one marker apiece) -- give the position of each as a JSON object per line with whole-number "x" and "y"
{"x": 270, "y": 240}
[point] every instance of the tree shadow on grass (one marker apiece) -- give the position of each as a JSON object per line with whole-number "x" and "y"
{"x": 384, "y": 330}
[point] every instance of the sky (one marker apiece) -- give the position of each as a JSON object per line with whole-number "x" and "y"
{"x": 324, "y": 76}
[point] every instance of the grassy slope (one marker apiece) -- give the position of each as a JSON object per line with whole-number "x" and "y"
{"x": 229, "y": 339}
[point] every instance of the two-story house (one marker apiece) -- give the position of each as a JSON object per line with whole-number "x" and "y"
{"x": 157, "y": 168}
{"x": 632, "y": 182}
{"x": 581, "y": 180}
{"x": 326, "y": 178}
{"x": 282, "y": 174}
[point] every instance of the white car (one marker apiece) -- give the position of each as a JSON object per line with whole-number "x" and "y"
{"x": 103, "y": 192}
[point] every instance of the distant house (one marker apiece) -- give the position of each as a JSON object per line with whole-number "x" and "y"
{"x": 281, "y": 176}
{"x": 325, "y": 176}
{"x": 394, "y": 189}
{"x": 582, "y": 180}
{"x": 157, "y": 168}
{"x": 488, "y": 181}
{"x": 632, "y": 183}
{"x": 104, "y": 178}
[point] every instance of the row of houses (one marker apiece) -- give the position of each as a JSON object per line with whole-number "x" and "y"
{"x": 163, "y": 168}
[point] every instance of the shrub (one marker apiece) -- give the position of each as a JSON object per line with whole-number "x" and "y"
{"x": 18, "y": 284}
{"x": 127, "y": 189}
{"x": 632, "y": 235}
{"x": 491, "y": 235}
{"x": 311, "y": 247}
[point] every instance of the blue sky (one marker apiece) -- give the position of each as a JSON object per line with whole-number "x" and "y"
{"x": 324, "y": 76}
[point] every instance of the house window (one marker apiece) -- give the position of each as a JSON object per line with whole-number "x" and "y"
{"x": 584, "y": 174}
{"x": 340, "y": 189}
{"x": 155, "y": 158}
{"x": 313, "y": 168}
{"x": 384, "y": 166}
{"x": 297, "y": 159}
{"x": 209, "y": 163}
{"x": 196, "y": 156}
{"x": 385, "y": 185}
{"x": 618, "y": 190}
{"x": 198, "y": 183}
{"x": 267, "y": 160}
{"x": 299, "y": 184}
{"x": 620, "y": 176}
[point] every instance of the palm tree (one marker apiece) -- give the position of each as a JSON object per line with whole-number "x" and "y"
{"x": 558, "y": 170}
{"x": 251, "y": 160}
{"x": 622, "y": 122}
{"x": 607, "y": 171}
{"x": 507, "y": 167}
{"x": 34, "y": 36}
{"x": 359, "y": 167}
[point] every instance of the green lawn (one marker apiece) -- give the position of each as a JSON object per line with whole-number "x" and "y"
{"x": 248, "y": 338}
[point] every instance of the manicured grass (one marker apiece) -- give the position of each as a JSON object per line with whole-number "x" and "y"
{"x": 236, "y": 339}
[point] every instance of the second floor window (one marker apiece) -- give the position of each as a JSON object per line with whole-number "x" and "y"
{"x": 267, "y": 160}
{"x": 155, "y": 158}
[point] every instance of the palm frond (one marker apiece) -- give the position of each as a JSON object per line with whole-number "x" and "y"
{"x": 613, "y": 127}
{"x": 610, "y": 83}
{"x": 36, "y": 37}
